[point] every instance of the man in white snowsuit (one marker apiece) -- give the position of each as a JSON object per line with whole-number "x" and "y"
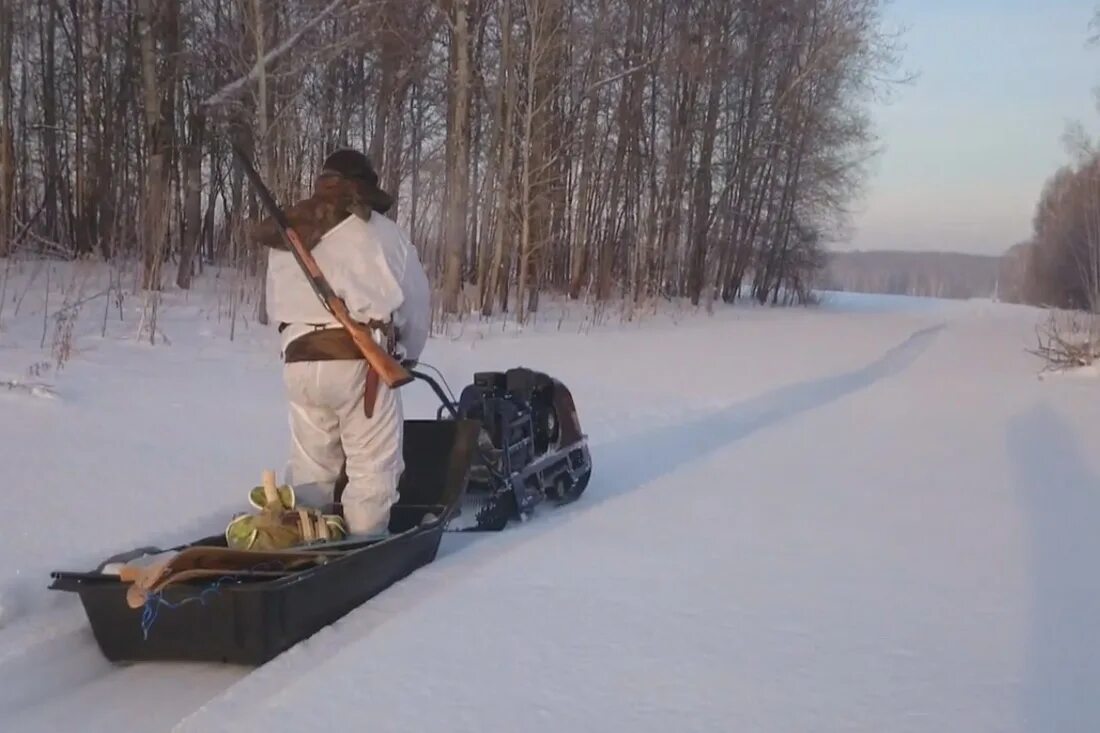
{"x": 371, "y": 264}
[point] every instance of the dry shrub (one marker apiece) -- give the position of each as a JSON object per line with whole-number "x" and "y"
{"x": 62, "y": 346}
{"x": 1068, "y": 340}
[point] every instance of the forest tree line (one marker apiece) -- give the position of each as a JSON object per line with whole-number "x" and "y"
{"x": 918, "y": 274}
{"x": 705, "y": 149}
{"x": 1059, "y": 265}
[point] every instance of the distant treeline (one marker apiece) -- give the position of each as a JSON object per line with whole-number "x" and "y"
{"x": 924, "y": 274}
{"x": 1060, "y": 265}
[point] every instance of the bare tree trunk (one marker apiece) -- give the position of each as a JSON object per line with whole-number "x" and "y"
{"x": 266, "y": 144}
{"x": 699, "y": 227}
{"x": 417, "y": 143}
{"x": 49, "y": 118}
{"x": 490, "y": 278}
{"x": 384, "y": 102}
{"x": 458, "y": 164}
{"x": 82, "y": 241}
{"x": 156, "y": 175}
{"x": 544, "y": 19}
{"x": 525, "y": 200}
{"x": 588, "y": 171}
{"x": 192, "y": 187}
{"x": 95, "y": 220}
{"x": 535, "y": 18}
{"x": 386, "y": 142}
{"x": 7, "y": 148}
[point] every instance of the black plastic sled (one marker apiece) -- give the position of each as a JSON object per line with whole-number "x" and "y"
{"x": 250, "y": 620}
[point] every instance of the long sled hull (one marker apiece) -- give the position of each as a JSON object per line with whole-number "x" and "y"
{"x": 250, "y": 620}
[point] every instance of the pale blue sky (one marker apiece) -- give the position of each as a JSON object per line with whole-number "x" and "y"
{"x": 970, "y": 143}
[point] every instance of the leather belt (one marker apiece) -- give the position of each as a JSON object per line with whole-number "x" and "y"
{"x": 325, "y": 343}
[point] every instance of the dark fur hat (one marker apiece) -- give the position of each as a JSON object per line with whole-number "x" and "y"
{"x": 353, "y": 165}
{"x": 347, "y": 185}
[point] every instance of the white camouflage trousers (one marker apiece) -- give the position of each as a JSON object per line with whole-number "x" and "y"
{"x": 328, "y": 425}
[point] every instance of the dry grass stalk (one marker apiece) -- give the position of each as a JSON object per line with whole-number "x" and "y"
{"x": 1068, "y": 341}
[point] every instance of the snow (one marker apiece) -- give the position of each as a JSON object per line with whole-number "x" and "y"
{"x": 866, "y": 516}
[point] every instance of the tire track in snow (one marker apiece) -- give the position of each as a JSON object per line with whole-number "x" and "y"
{"x": 54, "y": 674}
{"x": 669, "y": 448}
{"x": 23, "y": 635}
{"x": 66, "y": 679}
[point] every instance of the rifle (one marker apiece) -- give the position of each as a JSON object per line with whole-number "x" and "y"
{"x": 378, "y": 360}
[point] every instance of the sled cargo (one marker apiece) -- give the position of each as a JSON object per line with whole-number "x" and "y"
{"x": 249, "y": 619}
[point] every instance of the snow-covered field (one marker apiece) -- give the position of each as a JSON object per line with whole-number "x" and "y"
{"x": 869, "y": 516}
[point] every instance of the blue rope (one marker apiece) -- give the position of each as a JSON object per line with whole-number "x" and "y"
{"x": 153, "y": 603}
{"x": 151, "y": 610}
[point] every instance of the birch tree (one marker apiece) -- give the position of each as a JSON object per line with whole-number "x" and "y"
{"x": 589, "y": 149}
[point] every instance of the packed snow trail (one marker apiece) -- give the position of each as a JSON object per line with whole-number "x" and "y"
{"x": 860, "y": 552}
{"x": 799, "y": 520}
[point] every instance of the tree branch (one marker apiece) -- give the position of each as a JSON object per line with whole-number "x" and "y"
{"x": 229, "y": 90}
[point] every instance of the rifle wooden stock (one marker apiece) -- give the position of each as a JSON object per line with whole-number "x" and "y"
{"x": 381, "y": 363}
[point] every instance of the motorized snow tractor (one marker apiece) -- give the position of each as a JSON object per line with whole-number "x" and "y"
{"x": 510, "y": 442}
{"x": 530, "y": 448}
